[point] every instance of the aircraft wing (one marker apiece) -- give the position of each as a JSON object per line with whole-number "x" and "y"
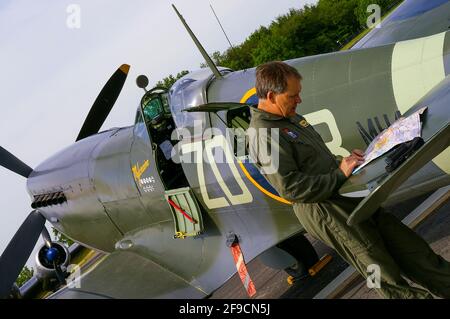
{"x": 215, "y": 107}
{"x": 375, "y": 184}
{"x": 412, "y": 19}
{"x": 128, "y": 275}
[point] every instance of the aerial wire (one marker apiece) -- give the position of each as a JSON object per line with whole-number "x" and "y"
{"x": 218, "y": 21}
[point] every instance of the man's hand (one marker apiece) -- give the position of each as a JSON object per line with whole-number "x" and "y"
{"x": 358, "y": 154}
{"x": 349, "y": 163}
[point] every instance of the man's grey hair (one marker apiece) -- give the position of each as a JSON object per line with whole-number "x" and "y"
{"x": 272, "y": 76}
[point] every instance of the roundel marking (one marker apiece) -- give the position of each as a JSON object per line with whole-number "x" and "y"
{"x": 255, "y": 176}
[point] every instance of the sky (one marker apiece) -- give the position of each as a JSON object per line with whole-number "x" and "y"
{"x": 52, "y": 71}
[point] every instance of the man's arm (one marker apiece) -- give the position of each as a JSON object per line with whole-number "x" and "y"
{"x": 296, "y": 186}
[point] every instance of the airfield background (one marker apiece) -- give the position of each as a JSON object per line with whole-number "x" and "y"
{"x": 328, "y": 26}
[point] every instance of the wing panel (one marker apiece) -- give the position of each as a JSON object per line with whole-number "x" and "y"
{"x": 437, "y": 117}
{"x": 374, "y": 180}
{"x": 370, "y": 204}
{"x": 412, "y": 19}
{"x": 130, "y": 276}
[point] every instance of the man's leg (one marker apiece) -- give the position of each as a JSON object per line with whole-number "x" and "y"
{"x": 414, "y": 256}
{"x": 360, "y": 246}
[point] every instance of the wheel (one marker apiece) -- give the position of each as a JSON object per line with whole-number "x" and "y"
{"x": 304, "y": 253}
{"x": 296, "y": 272}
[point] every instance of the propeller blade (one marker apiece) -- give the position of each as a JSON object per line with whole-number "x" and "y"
{"x": 104, "y": 103}
{"x": 18, "y": 250}
{"x": 14, "y": 164}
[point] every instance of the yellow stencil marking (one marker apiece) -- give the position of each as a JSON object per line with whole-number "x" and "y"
{"x": 138, "y": 171}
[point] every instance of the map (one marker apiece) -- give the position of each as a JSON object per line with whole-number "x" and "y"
{"x": 403, "y": 130}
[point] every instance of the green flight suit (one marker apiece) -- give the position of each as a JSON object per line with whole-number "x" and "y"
{"x": 309, "y": 176}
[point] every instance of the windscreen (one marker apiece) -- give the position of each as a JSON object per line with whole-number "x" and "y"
{"x": 153, "y": 108}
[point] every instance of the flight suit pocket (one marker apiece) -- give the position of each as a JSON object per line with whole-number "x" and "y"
{"x": 358, "y": 239}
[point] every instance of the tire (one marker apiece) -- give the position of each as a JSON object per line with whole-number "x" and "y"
{"x": 298, "y": 271}
{"x": 303, "y": 252}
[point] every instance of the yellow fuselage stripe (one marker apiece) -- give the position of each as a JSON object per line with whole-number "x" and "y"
{"x": 262, "y": 189}
{"x": 246, "y": 96}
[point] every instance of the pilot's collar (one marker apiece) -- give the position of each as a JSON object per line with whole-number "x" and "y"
{"x": 267, "y": 116}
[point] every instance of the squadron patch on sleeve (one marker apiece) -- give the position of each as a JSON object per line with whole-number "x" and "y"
{"x": 289, "y": 133}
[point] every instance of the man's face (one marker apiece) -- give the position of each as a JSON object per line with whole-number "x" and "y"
{"x": 287, "y": 102}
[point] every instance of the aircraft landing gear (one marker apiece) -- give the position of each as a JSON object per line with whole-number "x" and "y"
{"x": 303, "y": 252}
{"x": 295, "y": 256}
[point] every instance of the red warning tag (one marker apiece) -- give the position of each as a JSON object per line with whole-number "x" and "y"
{"x": 242, "y": 270}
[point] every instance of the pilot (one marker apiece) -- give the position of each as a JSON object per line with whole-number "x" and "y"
{"x": 309, "y": 176}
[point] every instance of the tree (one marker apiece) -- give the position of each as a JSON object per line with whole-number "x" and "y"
{"x": 315, "y": 29}
{"x": 60, "y": 237}
{"x": 168, "y": 81}
{"x": 25, "y": 275}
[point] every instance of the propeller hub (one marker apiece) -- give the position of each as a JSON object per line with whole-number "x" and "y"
{"x": 48, "y": 256}
{"x": 51, "y": 254}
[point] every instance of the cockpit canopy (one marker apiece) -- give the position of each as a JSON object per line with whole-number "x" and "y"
{"x": 155, "y": 105}
{"x": 191, "y": 91}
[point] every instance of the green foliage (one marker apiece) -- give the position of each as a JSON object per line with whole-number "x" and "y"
{"x": 315, "y": 29}
{"x": 62, "y": 238}
{"x": 24, "y": 275}
{"x": 168, "y": 81}
{"x": 361, "y": 10}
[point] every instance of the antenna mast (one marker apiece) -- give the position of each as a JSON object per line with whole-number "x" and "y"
{"x": 205, "y": 55}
